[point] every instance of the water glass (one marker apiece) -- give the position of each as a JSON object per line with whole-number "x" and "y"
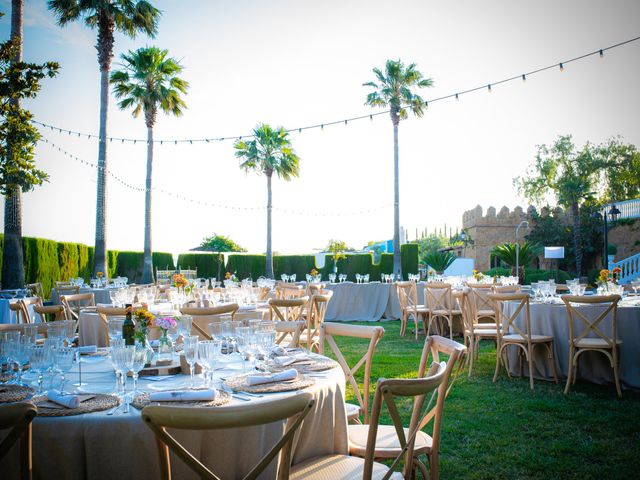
{"x": 115, "y": 328}
{"x": 139, "y": 361}
{"x": 40, "y": 360}
{"x": 184, "y": 323}
{"x": 244, "y": 340}
{"x": 191, "y": 355}
{"x": 62, "y": 362}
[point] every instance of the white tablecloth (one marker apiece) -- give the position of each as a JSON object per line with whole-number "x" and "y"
{"x": 551, "y": 319}
{"x": 368, "y": 302}
{"x": 96, "y": 446}
{"x": 6, "y": 315}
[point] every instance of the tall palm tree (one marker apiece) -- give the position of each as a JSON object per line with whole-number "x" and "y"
{"x": 394, "y": 89}
{"x": 129, "y": 17}
{"x": 269, "y": 152}
{"x": 149, "y": 81}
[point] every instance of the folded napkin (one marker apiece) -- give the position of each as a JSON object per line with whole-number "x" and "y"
{"x": 66, "y": 400}
{"x": 279, "y": 351}
{"x": 283, "y": 376}
{"x": 284, "y": 360}
{"x": 86, "y": 349}
{"x": 184, "y": 396}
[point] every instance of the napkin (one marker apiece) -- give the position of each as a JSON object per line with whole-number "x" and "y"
{"x": 184, "y": 396}
{"x": 279, "y": 351}
{"x": 66, "y": 400}
{"x": 283, "y": 361}
{"x": 88, "y": 349}
{"x": 283, "y": 376}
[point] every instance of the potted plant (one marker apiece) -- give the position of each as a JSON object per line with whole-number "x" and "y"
{"x": 526, "y": 254}
{"x": 440, "y": 261}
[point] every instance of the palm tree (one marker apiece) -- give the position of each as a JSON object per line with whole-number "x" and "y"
{"x": 524, "y": 256}
{"x": 269, "y": 152}
{"x": 149, "y": 82}
{"x": 129, "y": 17}
{"x": 394, "y": 89}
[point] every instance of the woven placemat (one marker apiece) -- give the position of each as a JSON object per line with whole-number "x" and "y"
{"x": 5, "y": 377}
{"x": 313, "y": 364}
{"x": 97, "y": 403}
{"x": 239, "y": 384}
{"x": 142, "y": 400}
{"x": 15, "y": 393}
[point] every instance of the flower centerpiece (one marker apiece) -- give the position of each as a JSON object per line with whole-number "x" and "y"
{"x": 477, "y": 276}
{"x": 165, "y": 347}
{"x": 179, "y": 281}
{"x": 144, "y": 320}
{"x": 315, "y": 275}
{"x": 608, "y": 278}
{"x": 230, "y": 279}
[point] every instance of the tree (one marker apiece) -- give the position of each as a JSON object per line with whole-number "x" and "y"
{"x": 622, "y": 170}
{"x": 393, "y": 89}
{"x": 149, "y": 82}
{"x": 569, "y": 175}
{"x": 430, "y": 245}
{"x": 18, "y": 138}
{"x": 220, "y": 243}
{"x": 523, "y": 256}
{"x": 269, "y": 152}
{"x": 129, "y": 17}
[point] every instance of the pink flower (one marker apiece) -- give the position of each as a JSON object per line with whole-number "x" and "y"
{"x": 166, "y": 323}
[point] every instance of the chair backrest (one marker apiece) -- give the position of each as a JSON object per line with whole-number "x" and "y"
{"x": 507, "y": 289}
{"x": 316, "y": 312}
{"x": 73, "y": 303}
{"x": 21, "y": 307}
{"x": 479, "y": 301}
{"x": 291, "y": 330}
{"x": 609, "y": 304}
{"x": 104, "y": 313}
{"x": 289, "y": 310}
{"x": 505, "y": 323}
{"x": 293, "y": 409}
{"x": 203, "y": 316}
{"x": 316, "y": 288}
{"x": 18, "y": 417}
{"x": 35, "y": 289}
{"x": 261, "y": 293}
{"x": 67, "y": 289}
{"x": 407, "y": 295}
{"x": 289, "y": 290}
{"x": 330, "y": 330}
{"x": 438, "y": 296}
{"x": 57, "y": 312}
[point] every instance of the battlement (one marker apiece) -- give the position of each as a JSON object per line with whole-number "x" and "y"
{"x": 505, "y": 217}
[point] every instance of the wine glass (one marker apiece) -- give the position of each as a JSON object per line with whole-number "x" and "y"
{"x": 191, "y": 355}
{"x": 184, "y": 323}
{"x": 122, "y": 358}
{"x": 635, "y": 284}
{"x": 208, "y": 352}
{"x": 139, "y": 360}
{"x": 113, "y": 295}
{"x": 40, "y": 360}
{"x": 63, "y": 358}
{"x": 69, "y": 331}
{"x": 115, "y": 328}
{"x": 244, "y": 339}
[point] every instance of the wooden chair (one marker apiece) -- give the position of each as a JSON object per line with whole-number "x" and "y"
{"x": 286, "y": 291}
{"x": 316, "y": 289}
{"x": 18, "y": 418}
{"x": 57, "y": 312}
{"x": 261, "y": 293}
{"x": 29, "y": 302}
{"x": 316, "y": 310}
{"x": 289, "y": 332}
{"x": 327, "y": 333}
{"x": 395, "y": 441}
{"x": 35, "y": 289}
{"x": 293, "y": 409}
{"x": 202, "y": 317}
{"x": 507, "y": 289}
{"x": 18, "y": 309}
{"x": 473, "y": 334}
{"x": 440, "y": 303}
{"x": 481, "y": 306}
{"x": 408, "y": 297}
{"x": 290, "y": 310}
{"x": 67, "y": 289}
{"x": 73, "y": 303}
{"x": 581, "y": 341}
{"x": 104, "y": 313}
{"x": 509, "y": 333}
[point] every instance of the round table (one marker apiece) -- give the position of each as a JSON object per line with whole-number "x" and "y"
{"x": 97, "y": 446}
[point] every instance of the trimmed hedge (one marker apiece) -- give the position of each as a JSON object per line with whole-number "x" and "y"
{"x": 207, "y": 264}
{"x": 533, "y": 275}
{"x": 129, "y": 264}
{"x": 246, "y": 266}
{"x": 290, "y": 264}
{"x": 409, "y": 258}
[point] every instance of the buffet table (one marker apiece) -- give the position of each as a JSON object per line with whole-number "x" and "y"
{"x": 551, "y": 319}
{"x": 98, "y": 446}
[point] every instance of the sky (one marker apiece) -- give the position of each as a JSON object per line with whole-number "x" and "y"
{"x": 298, "y": 63}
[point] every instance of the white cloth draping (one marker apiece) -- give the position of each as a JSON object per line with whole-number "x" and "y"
{"x": 98, "y": 446}
{"x": 368, "y": 302}
{"x": 551, "y": 319}
{"x": 7, "y": 316}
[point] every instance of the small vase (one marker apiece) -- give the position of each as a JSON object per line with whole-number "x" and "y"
{"x": 147, "y": 347}
{"x": 165, "y": 350}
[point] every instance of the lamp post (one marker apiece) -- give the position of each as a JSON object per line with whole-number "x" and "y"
{"x": 521, "y": 224}
{"x": 614, "y": 214}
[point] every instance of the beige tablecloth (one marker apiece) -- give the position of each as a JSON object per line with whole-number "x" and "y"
{"x": 101, "y": 295}
{"x": 551, "y": 319}
{"x": 96, "y": 446}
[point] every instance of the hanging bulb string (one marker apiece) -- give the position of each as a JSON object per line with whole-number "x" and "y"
{"x": 205, "y": 203}
{"x": 485, "y": 86}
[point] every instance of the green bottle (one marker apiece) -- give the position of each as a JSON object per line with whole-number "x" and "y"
{"x": 128, "y": 328}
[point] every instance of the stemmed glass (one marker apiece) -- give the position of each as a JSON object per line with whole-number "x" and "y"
{"x": 191, "y": 355}
{"x": 115, "y": 328}
{"x": 116, "y": 344}
{"x": 208, "y": 352}
{"x": 62, "y": 363}
{"x": 139, "y": 360}
{"x": 19, "y": 353}
{"x": 244, "y": 337}
{"x": 184, "y": 325}
{"x": 40, "y": 360}
{"x": 122, "y": 358}
{"x": 635, "y": 284}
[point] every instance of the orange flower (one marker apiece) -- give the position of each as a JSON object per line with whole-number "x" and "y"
{"x": 617, "y": 270}
{"x": 227, "y": 275}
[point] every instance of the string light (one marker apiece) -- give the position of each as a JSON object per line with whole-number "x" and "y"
{"x": 457, "y": 96}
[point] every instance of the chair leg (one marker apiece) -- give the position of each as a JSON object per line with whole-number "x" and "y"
{"x": 434, "y": 465}
{"x": 570, "y": 372}
{"x": 471, "y": 355}
{"x": 553, "y": 361}
{"x": 530, "y": 359}
{"x": 498, "y": 358}
{"x": 403, "y": 324}
{"x": 615, "y": 374}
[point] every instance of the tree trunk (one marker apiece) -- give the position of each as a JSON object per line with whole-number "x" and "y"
{"x": 397, "y": 264}
{"x": 147, "y": 267}
{"x": 269, "y": 259}
{"x": 12, "y": 255}
{"x": 577, "y": 238}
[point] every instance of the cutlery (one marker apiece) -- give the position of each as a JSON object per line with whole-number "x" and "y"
{"x": 113, "y": 410}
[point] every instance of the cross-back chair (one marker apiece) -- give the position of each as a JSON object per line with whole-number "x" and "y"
{"x": 481, "y": 306}
{"x": 316, "y": 311}
{"x": 104, "y": 313}
{"x": 289, "y": 310}
{"x": 507, "y": 289}
{"x": 441, "y": 305}
{"x": 203, "y": 316}
{"x": 56, "y": 312}
{"x": 589, "y": 335}
{"x": 509, "y": 333}
{"x": 316, "y": 288}
{"x": 292, "y": 409}
{"x": 472, "y": 333}
{"x": 35, "y": 289}
{"x": 18, "y": 418}
{"x": 289, "y": 332}
{"x": 408, "y": 298}
{"x": 73, "y": 303}
{"x": 67, "y": 289}
{"x": 431, "y": 389}
{"x": 327, "y": 333}
{"x": 286, "y": 291}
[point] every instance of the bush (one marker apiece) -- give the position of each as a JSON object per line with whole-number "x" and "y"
{"x": 409, "y": 258}
{"x": 208, "y": 264}
{"x": 246, "y": 266}
{"x": 533, "y": 275}
{"x": 301, "y": 265}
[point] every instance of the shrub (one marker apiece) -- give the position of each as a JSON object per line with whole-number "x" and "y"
{"x": 439, "y": 261}
{"x": 298, "y": 264}
{"x": 533, "y": 275}
{"x": 208, "y": 264}
{"x": 246, "y": 266}
{"x": 409, "y": 258}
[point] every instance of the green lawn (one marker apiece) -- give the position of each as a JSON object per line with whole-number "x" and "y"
{"x": 504, "y": 430}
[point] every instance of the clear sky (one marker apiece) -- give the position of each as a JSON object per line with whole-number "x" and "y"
{"x": 295, "y": 63}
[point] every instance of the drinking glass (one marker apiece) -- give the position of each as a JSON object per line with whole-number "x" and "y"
{"x": 124, "y": 363}
{"x": 332, "y": 278}
{"x": 69, "y": 331}
{"x": 40, "y": 360}
{"x": 62, "y": 362}
{"x": 184, "y": 325}
{"x": 216, "y": 331}
{"x": 113, "y": 295}
{"x": 244, "y": 341}
{"x": 208, "y": 352}
{"x": 139, "y": 360}
{"x": 29, "y": 331}
{"x": 635, "y": 284}
{"x": 115, "y": 328}
{"x": 191, "y": 355}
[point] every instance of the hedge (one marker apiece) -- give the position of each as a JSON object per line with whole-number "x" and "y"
{"x": 301, "y": 265}
{"x": 533, "y": 275}
{"x": 207, "y": 264}
{"x": 247, "y": 266}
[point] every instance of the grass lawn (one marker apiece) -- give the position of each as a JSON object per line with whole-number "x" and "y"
{"x": 504, "y": 430}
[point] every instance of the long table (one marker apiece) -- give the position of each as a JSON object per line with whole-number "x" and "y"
{"x": 97, "y": 446}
